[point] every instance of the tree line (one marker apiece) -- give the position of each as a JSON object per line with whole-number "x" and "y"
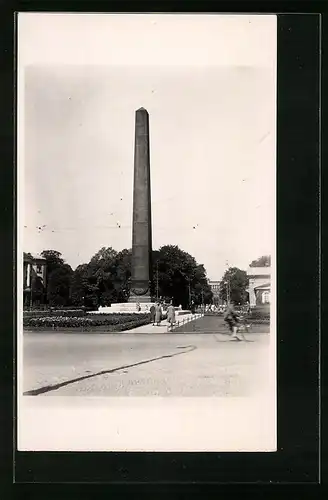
{"x": 105, "y": 279}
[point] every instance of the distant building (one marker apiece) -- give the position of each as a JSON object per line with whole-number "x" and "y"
{"x": 259, "y": 289}
{"x": 34, "y": 279}
{"x": 215, "y": 287}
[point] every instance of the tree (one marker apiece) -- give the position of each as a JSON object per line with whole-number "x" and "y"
{"x": 54, "y": 259}
{"x": 79, "y": 285}
{"x": 179, "y": 276}
{"x": 59, "y": 276}
{"x": 104, "y": 280}
{"x": 122, "y": 275}
{"x": 264, "y": 261}
{"x": 101, "y": 272}
{"x": 59, "y": 282}
{"x": 105, "y": 257}
{"x": 235, "y": 281}
{"x": 203, "y": 291}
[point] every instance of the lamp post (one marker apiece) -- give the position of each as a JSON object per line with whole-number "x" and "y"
{"x": 157, "y": 280}
{"x": 187, "y": 279}
{"x": 31, "y": 292}
{"x": 228, "y": 284}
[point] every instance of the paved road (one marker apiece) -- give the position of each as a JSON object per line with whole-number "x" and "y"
{"x": 165, "y": 364}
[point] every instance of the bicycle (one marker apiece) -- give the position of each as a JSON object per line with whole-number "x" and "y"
{"x": 243, "y": 325}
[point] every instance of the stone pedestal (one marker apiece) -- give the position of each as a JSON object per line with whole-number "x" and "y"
{"x": 141, "y": 224}
{"x": 125, "y": 307}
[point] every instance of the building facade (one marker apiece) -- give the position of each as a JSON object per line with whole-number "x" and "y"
{"x": 215, "y": 287}
{"x": 259, "y": 288}
{"x": 34, "y": 279}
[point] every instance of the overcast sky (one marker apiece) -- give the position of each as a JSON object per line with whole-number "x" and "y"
{"x": 208, "y": 83}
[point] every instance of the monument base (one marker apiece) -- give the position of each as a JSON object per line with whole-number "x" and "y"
{"x": 141, "y": 299}
{"x": 124, "y": 307}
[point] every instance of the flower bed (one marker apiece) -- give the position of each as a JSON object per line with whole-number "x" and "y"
{"x": 54, "y": 312}
{"x": 110, "y": 322}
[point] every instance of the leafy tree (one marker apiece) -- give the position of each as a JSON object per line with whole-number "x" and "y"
{"x": 122, "y": 275}
{"x": 27, "y": 256}
{"x": 264, "y": 261}
{"x": 54, "y": 259}
{"x": 84, "y": 286}
{"x": 104, "y": 280}
{"x": 179, "y": 276}
{"x": 235, "y": 280}
{"x": 58, "y": 288}
{"x": 101, "y": 273}
{"x": 105, "y": 258}
{"x": 79, "y": 283}
{"x": 59, "y": 276}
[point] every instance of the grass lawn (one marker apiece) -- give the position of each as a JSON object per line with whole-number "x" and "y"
{"x": 215, "y": 324}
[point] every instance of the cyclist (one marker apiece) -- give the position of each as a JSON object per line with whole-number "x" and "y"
{"x": 231, "y": 318}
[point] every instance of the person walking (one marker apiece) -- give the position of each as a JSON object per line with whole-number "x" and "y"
{"x": 152, "y": 314}
{"x": 171, "y": 315}
{"x": 158, "y": 313}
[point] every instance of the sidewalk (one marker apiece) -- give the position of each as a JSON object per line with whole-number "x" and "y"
{"x": 164, "y": 325}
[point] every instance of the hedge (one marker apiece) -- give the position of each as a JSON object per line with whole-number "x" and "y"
{"x": 258, "y": 316}
{"x": 257, "y": 313}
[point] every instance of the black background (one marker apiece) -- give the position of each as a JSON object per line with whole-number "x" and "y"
{"x": 298, "y": 148}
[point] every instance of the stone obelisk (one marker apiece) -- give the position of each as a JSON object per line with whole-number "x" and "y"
{"x": 141, "y": 224}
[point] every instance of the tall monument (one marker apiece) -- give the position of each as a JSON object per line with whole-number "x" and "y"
{"x": 141, "y": 224}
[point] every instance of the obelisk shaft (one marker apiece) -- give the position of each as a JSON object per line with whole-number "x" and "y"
{"x": 141, "y": 225}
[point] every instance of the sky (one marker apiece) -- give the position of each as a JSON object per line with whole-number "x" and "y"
{"x": 208, "y": 83}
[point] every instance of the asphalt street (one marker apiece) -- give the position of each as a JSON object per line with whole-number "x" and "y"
{"x": 148, "y": 364}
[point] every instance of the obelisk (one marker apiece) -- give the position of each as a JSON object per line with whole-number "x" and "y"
{"x": 141, "y": 224}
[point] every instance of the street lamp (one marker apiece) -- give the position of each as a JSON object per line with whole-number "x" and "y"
{"x": 157, "y": 280}
{"x": 228, "y": 290}
{"x": 228, "y": 283}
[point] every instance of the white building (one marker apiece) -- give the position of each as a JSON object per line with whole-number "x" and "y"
{"x": 34, "y": 278}
{"x": 215, "y": 287}
{"x": 259, "y": 285}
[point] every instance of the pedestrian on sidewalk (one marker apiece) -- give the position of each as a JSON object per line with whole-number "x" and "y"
{"x": 152, "y": 314}
{"x": 171, "y": 315}
{"x": 158, "y": 313}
